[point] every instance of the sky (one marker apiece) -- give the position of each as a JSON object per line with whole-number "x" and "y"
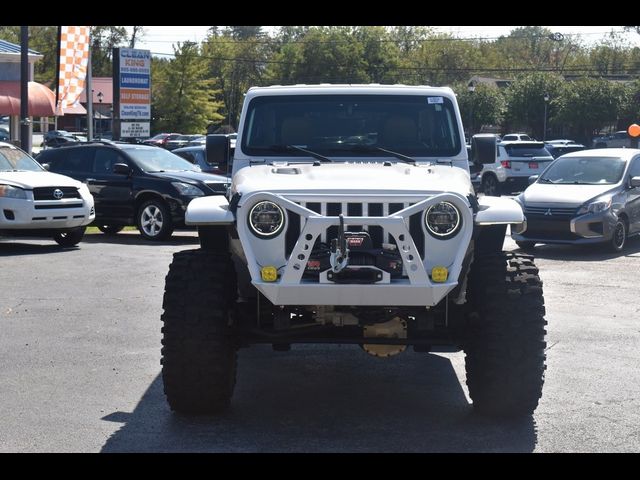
{"x": 159, "y": 39}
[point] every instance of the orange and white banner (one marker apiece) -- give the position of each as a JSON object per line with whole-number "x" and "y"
{"x": 74, "y": 57}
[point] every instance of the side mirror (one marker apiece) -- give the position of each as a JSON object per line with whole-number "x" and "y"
{"x": 121, "y": 169}
{"x": 218, "y": 151}
{"x": 533, "y": 178}
{"x": 46, "y": 166}
{"x": 635, "y": 182}
{"x": 483, "y": 148}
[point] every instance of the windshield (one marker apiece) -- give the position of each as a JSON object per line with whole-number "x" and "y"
{"x": 12, "y": 159}
{"x": 160, "y": 160}
{"x": 352, "y": 125}
{"x": 585, "y": 171}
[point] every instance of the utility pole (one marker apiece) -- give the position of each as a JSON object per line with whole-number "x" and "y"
{"x": 25, "y": 137}
{"x": 89, "y": 92}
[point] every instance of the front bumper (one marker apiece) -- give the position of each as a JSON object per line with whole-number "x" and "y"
{"x": 416, "y": 288}
{"x": 21, "y": 214}
{"x": 574, "y": 230}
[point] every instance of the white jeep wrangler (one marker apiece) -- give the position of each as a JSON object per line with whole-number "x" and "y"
{"x": 351, "y": 219}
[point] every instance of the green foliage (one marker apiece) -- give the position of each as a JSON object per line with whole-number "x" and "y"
{"x": 485, "y": 106}
{"x": 184, "y": 97}
{"x": 526, "y": 104}
{"x": 588, "y": 104}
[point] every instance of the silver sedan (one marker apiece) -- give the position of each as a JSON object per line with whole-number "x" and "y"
{"x": 590, "y": 196}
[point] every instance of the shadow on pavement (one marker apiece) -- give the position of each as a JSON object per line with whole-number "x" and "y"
{"x": 583, "y": 253}
{"x": 9, "y": 247}
{"x": 134, "y": 238}
{"x": 327, "y": 399}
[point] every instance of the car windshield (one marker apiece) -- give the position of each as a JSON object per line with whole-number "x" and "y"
{"x": 352, "y": 125}
{"x": 160, "y": 160}
{"x": 12, "y": 159}
{"x": 585, "y": 171}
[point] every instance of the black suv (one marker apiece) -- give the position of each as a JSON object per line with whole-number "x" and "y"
{"x": 134, "y": 184}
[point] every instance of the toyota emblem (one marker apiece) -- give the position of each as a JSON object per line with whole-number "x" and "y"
{"x": 58, "y": 194}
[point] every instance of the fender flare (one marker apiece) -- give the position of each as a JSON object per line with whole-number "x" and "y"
{"x": 210, "y": 210}
{"x": 498, "y": 211}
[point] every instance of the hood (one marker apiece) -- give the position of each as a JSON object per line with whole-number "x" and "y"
{"x": 365, "y": 178}
{"x": 191, "y": 177}
{"x": 569, "y": 195}
{"x": 31, "y": 180}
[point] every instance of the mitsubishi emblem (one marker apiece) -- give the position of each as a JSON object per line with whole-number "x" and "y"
{"x": 58, "y": 194}
{"x": 548, "y": 212}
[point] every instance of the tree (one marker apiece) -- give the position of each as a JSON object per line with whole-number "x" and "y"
{"x": 486, "y": 105}
{"x": 526, "y": 104}
{"x": 103, "y": 40}
{"x": 184, "y": 97}
{"x": 589, "y": 104}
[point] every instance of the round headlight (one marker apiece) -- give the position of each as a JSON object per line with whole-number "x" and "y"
{"x": 443, "y": 220}
{"x": 266, "y": 219}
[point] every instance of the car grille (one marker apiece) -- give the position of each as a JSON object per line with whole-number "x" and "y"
{"x": 46, "y": 193}
{"x": 373, "y": 209}
{"x": 550, "y": 227}
{"x": 551, "y": 211}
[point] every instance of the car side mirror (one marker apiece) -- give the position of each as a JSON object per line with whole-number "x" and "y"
{"x": 483, "y": 149}
{"x": 533, "y": 178}
{"x": 635, "y": 182}
{"x": 46, "y": 166}
{"x": 218, "y": 151}
{"x": 121, "y": 169}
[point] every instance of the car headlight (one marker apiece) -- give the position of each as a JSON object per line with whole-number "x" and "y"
{"x": 443, "y": 220}
{"x": 9, "y": 191}
{"x": 266, "y": 219}
{"x": 187, "y": 189}
{"x": 595, "y": 207}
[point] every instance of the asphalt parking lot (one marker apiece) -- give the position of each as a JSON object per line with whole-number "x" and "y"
{"x": 80, "y": 364}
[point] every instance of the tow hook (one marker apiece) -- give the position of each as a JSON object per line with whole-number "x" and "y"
{"x": 339, "y": 258}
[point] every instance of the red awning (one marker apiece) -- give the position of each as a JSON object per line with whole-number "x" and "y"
{"x": 41, "y": 99}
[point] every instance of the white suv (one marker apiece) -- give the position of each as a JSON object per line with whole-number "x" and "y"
{"x": 515, "y": 162}
{"x": 351, "y": 219}
{"x": 35, "y": 202}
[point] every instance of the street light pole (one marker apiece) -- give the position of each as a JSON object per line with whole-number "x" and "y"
{"x": 99, "y": 95}
{"x": 472, "y": 88}
{"x": 546, "y": 101}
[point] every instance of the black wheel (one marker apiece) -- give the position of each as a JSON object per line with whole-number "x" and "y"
{"x": 526, "y": 245}
{"x": 199, "y": 353}
{"x": 70, "y": 238}
{"x": 619, "y": 238}
{"x": 490, "y": 186}
{"x": 154, "y": 220}
{"x": 505, "y": 346}
{"x": 110, "y": 229}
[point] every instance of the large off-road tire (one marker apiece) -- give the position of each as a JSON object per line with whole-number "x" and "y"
{"x": 154, "y": 220}
{"x": 505, "y": 345}
{"x": 70, "y": 238}
{"x": 199, "y": 353}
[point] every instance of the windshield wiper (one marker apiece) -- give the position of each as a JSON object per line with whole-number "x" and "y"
{"x": 372, "y": 148}
{"x": 288, "y": 148}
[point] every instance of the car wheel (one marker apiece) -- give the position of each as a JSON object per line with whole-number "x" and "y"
{"x": 154, "y": 220}
{"x": 619, "y": 237}
{"x": 110, "y": 229}
{"x": 69, "y": 238}
{"x": 490, "y": 186}
{"x": 526, "y": 245}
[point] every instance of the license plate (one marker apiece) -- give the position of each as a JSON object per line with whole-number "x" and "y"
{"x": 533, "y": 164}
